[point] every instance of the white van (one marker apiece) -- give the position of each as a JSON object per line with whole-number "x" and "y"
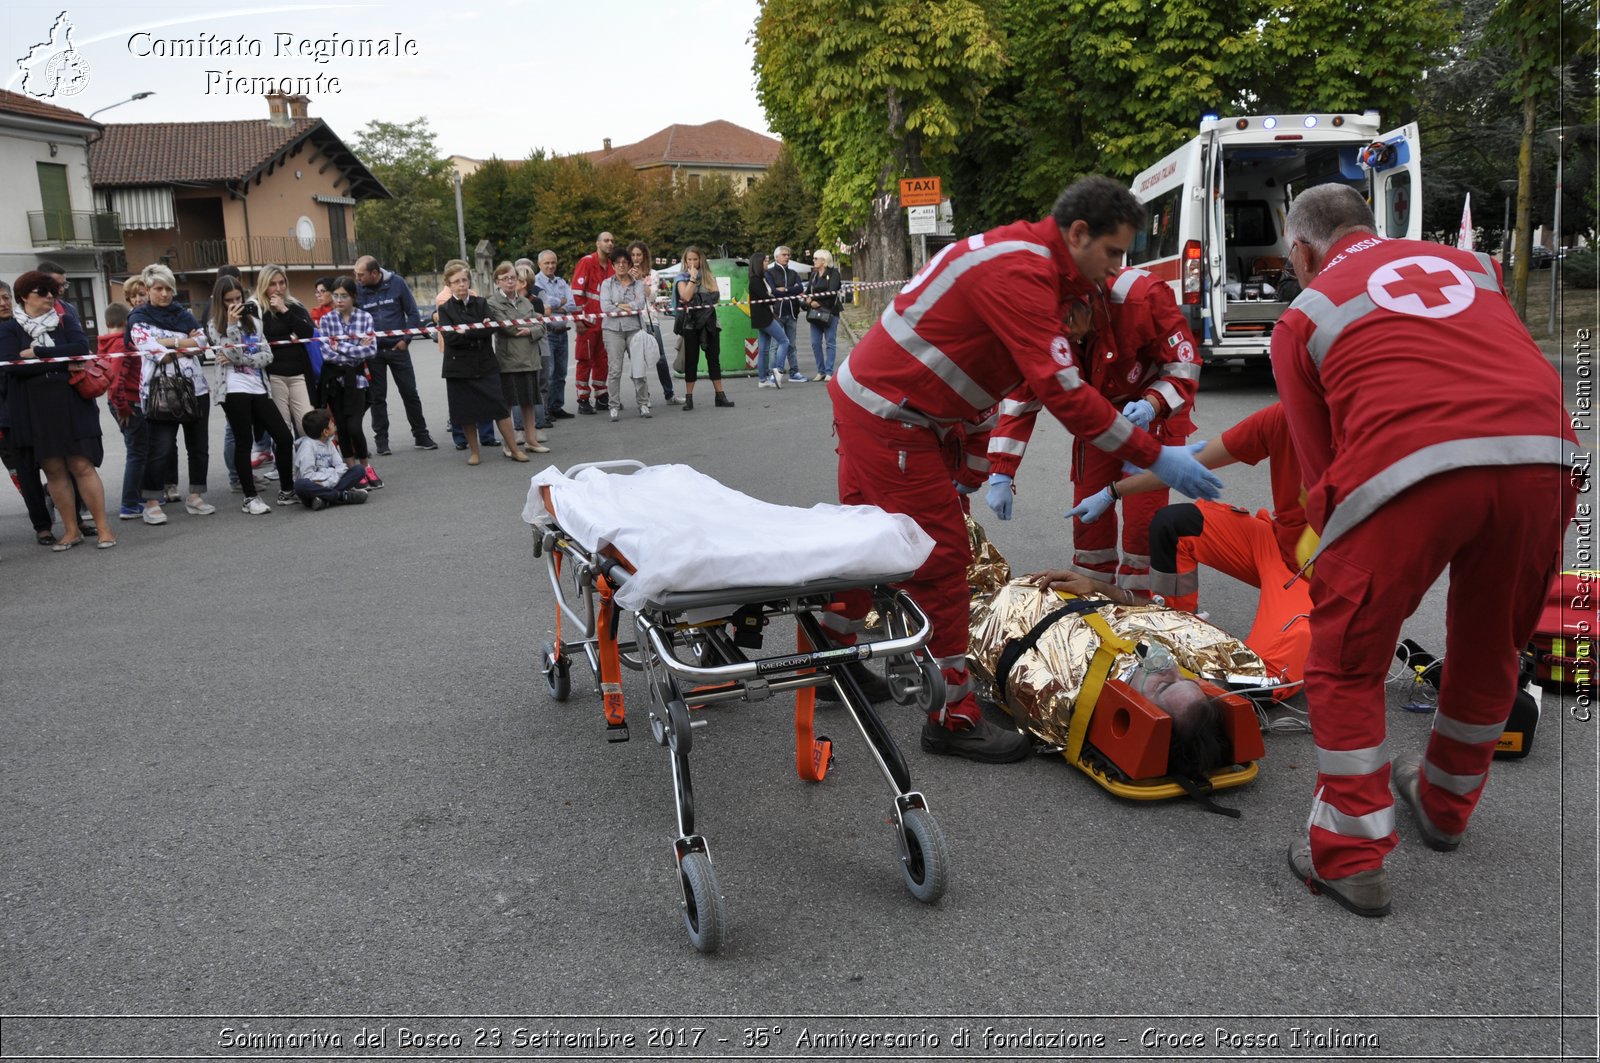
{"x": 1218, "y": 204}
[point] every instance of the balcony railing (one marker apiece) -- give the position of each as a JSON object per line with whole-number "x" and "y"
{"x": 287, "y": 251}
{"x": 75, "y": 228}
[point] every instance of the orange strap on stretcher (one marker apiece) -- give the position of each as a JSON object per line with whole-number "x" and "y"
{"x": 812, "y": 755}
{"x": 610, "y": 659}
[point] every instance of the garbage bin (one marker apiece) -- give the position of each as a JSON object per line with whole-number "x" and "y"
{"x": 733, "y": 312}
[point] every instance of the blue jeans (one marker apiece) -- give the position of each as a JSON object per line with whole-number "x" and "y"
{"x": 405, "y": 381}
{"x": 137, "y": 439}
{"x": 556, "y": 399}
{"x": 309, "y": 489}
{"x": 774, "y": 336}
{"x": 825, "y": 336}
{"x": 485, "y": 434}
{"x": 789, "y": 324}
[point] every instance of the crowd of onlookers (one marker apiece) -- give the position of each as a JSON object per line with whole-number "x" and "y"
{"x": 295, "y": 382}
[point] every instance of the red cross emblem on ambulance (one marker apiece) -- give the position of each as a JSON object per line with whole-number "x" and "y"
{"x": 1421, "y": 286}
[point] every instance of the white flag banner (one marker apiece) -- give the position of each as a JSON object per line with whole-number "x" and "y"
{"x": 1464, "y": 239}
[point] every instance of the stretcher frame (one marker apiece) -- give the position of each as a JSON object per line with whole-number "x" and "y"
{"x": 695, "y": 624}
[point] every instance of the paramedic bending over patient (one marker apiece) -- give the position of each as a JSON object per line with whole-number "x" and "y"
{"x": 945, "y": 352}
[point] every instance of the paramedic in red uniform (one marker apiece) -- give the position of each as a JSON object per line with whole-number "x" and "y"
{"x": 944, "y": 352}
{"x": 1254, "y": 548}
{"x": 1431, "y": 434}
{"x": 1146, "y": 365}
{"x": 590, "y": 272}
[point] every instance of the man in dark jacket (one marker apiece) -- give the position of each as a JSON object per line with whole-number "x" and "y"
{"x": 784, "y": 285}
{"x": 390, "y": 302}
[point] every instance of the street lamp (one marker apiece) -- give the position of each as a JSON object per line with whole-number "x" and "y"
{"x": 119, "y": 103}
{"x": 461, "y": 224}
{"x": 1560, "y": 133}
{"x": 1507, "y": 189}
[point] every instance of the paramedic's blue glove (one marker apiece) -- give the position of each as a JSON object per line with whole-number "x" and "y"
{"x": 1140, "y": 412}
{"x": 1000, "y": 495}
{"x": 1177, "y": 467}
{"x": 1094, "y": 507}
{"x": 963, "y": 489}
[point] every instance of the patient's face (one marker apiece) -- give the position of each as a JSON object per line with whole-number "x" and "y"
{"x": 1180, "y": 698}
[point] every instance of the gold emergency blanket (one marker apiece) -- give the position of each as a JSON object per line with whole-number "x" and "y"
{"x": 1045, "y": 681}
{"x": 988, "y": 571}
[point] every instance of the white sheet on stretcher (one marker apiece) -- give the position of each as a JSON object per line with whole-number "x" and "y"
{"x": 683, "y": 531}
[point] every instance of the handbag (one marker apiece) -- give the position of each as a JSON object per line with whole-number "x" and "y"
{"x": 677, "y": 363}
{"x": 90, "y": 378}
{"x": 170, "y": 398}
{"x": 818, "y": 316}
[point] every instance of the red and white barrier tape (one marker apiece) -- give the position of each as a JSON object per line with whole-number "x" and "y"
{"x": 431, "y": 330}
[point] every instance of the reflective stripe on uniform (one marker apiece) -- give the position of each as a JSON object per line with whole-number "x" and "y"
{"x": 1169, "y": 394}
{"x": 1114, "y": 437}
{"x": 1374, "y": 825}
{"x": 1487, "y": 263}
{"x": 1013, "y": 408}
{"x": 1467, "y": 733}
{"x": 1141, "y": 561}
{"x": 1174, "y": 584}
{"x": 1133, "y": 581}
{"x": 1352, "y": 761}
{"x": 1379, "y": 489}
{"x": 1181, "y": 370}
{"x": 871, "y": 401}
{"x": 1460, "y": 785}
{"x": 940, "y": 364}
{"x": 954, "y": 692}
{"x": 1124, "y": 284}
{"x": 1069, "y": 378}
{"x": 977, "y": 462}
{"x": 1328, "y": 320}
{"x": 1006, "y": 445}
{"x": 958, "y": 663}
{"x": 1094, "y": 557}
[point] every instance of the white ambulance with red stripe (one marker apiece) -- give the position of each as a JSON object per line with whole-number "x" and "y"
{"x": 1218, "y": 204}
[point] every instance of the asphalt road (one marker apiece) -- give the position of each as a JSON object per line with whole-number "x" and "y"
{"x": 304, "y": 765}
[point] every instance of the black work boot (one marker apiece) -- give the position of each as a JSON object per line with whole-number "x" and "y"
{"x": 873, "y": 685}
{"x": 723, "y": 400}
{"x": 584, "y": 407}
{"x": 983, "y": 742}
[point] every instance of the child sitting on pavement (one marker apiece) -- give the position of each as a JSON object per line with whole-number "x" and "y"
{"x": 321, "y": 478}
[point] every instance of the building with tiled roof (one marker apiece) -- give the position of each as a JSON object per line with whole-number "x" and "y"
{"x": 249, "y": 192}
{"x": 49, "y": 212}
{"x": 693, "y": 152}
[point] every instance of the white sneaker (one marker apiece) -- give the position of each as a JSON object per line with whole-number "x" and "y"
{"x": 777, "y": 380}
{"x": 616, "y": 414}
{"x": 196, "y": 506}
{"x": 539, "y": 436}
{"x": 644, "y": 409}
{"x": 675, "y": 401}
{"x": 153, "y": 515}
{"x": 255, "y": 507}
{"x": 766, "y": 382}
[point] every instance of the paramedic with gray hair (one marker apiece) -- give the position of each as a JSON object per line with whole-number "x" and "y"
{"x": 1431, "y": 435}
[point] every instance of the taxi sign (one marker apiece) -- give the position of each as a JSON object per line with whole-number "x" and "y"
{"x": 920, "y": 192}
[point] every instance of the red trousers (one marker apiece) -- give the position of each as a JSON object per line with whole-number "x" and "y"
{"x": 590, "y": 373}
{"x": 1499, "y": 531}
{"x": 1244, "y": 546}
{"x": 1094, "y": 546}
{"x": 906, "y": 469}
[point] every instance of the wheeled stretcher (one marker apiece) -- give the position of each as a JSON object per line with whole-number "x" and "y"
{"x": 691, "y": 644}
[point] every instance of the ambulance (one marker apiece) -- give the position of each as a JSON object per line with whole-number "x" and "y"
{"x": 1217, "y": 208}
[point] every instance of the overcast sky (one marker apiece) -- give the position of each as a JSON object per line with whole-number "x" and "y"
{"x": 492, "y": 79}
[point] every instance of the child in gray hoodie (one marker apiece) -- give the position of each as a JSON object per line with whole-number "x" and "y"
{"x": 321, "y": 478}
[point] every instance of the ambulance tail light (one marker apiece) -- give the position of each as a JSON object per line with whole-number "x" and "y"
{"x": 1191, "y": 273}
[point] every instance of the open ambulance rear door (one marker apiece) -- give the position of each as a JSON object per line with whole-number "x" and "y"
{"x": 1394, "y": 173}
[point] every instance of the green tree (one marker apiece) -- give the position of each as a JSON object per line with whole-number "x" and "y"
{"x": 578, "y": 202}
{"x": 497, "y": 202}
{"x": 1108, "y": 86}
{"x": 708, "y": 215}
{"x": 1533, "y": 32}
{"x": 780, "y": 209}
{"x": 866, "y": 94}
{"x": 412, "y": 230}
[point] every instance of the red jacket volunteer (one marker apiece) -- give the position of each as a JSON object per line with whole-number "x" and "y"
{"x": 1431, "y": 434}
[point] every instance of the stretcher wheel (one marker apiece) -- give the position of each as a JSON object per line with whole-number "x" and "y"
{"x": 925, "y": 864}
{"x": 557, "y": 675}
{"x": 704, "y": 914}
{"x": 916, "y": 681}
